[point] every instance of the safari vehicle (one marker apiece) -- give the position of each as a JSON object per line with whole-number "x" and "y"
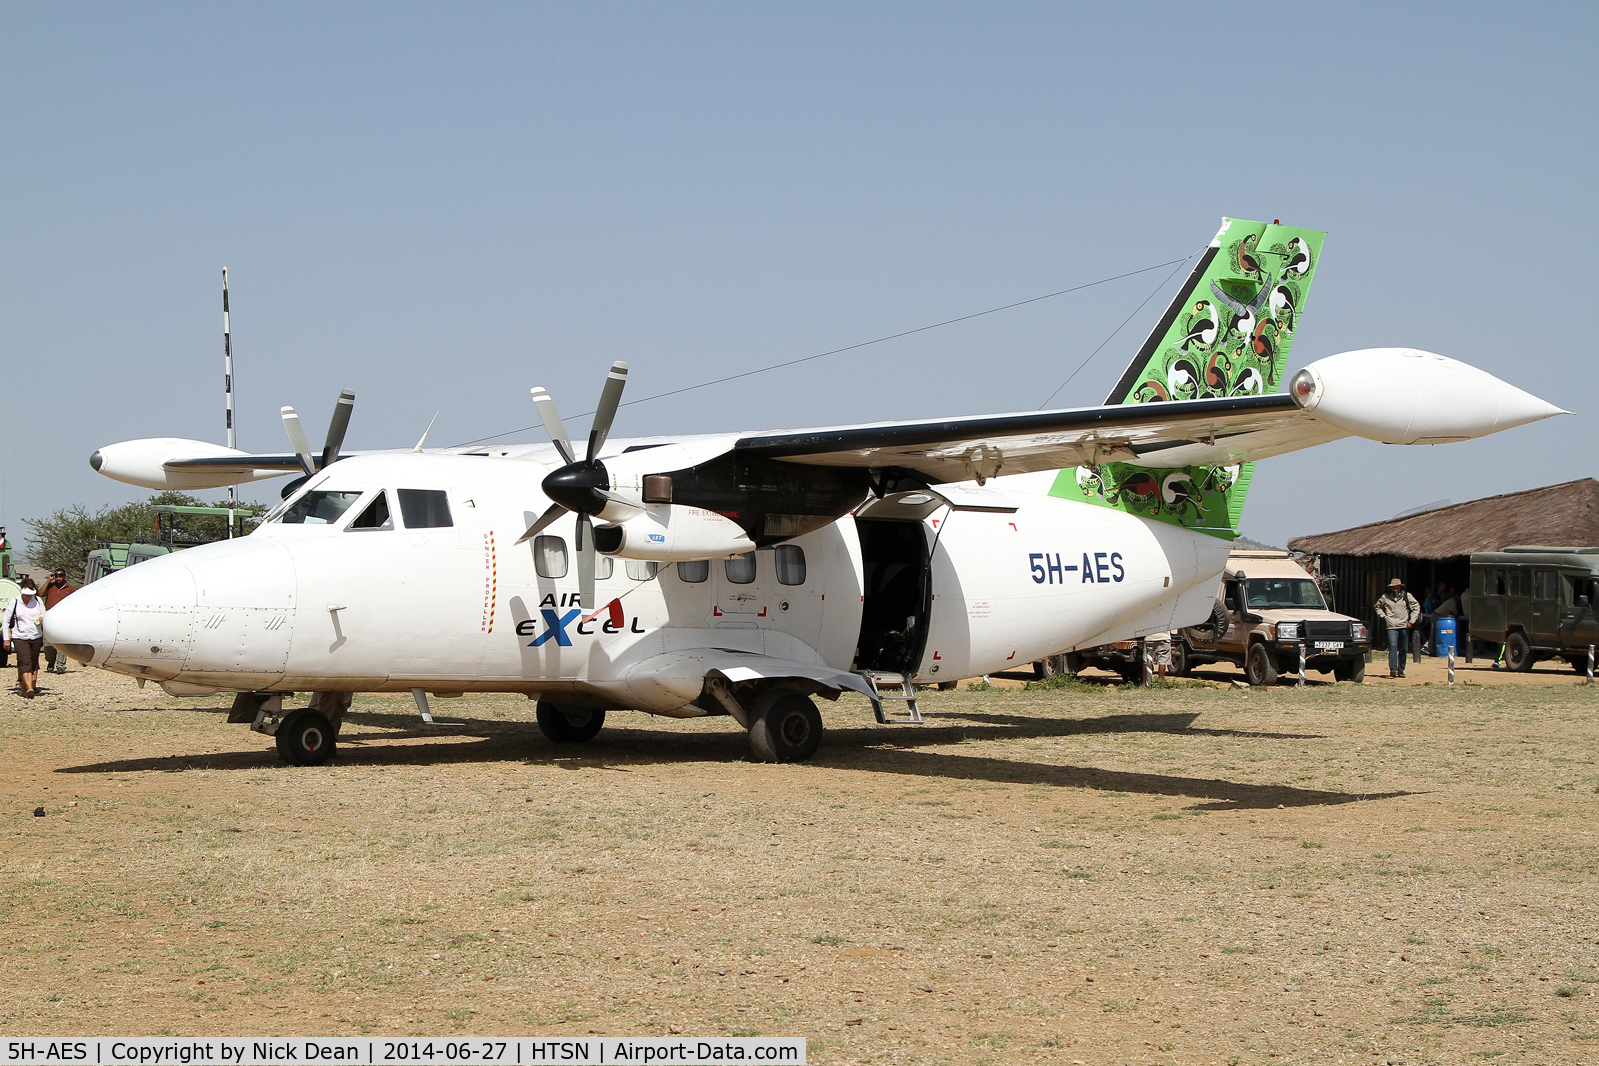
{"x": 109, "y": 557}
{"x": 1538, "y": 602}
{"x": 1269, "y": 610}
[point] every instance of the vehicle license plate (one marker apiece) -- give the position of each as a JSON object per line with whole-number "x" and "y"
{"x": 1329, "y": 644}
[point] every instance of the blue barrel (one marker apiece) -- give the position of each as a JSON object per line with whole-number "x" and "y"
{"x": 1443, "y": 638}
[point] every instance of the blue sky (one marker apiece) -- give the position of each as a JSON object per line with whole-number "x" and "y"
{"x": 439, "y": 206}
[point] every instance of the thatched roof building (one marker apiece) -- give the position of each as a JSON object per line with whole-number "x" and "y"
{"x": 1556, "y": 514}
{"x": 1424, "y": 549}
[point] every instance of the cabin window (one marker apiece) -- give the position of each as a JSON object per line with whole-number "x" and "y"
{"x": 376, "y": 515}
{"x": 741, "y": 568}
{"x": 1518, "y": 582}
{"x": 604, "y": 567}
{"x": 1498, "y": 588}
{"x": 641, "y": 570}
{"x": 319, "y": 507}
{"x": 425, "y": 508}
{"x": 1544, "y": 585}
{"x": 694, "y": 572}
{"x": 549, "y": 556}
{"x": 790, "y": 564}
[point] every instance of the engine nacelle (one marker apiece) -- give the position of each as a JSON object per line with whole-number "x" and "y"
{"x": 142, "y": 463}
{"x": 673, "y": 533}
{"x": 1407, "y": 396}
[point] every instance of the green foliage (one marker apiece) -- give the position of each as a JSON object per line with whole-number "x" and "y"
{"x": 66, "y": 538}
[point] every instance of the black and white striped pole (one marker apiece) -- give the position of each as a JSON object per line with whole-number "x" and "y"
{"x": 227, "y": 389}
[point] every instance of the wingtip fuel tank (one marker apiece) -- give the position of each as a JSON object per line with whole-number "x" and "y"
{"x": 144, "y": 463}
{"x": 1408, "y": 396}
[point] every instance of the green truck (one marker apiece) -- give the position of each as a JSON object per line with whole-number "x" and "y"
{"x": 109, "y": 557}
{"x": 1536, "y": 602}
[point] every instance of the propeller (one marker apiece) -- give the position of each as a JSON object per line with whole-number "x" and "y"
{"x": 337, "y": 425}
{"x": 580, "y": 487}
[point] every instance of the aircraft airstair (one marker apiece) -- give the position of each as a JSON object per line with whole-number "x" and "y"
{"x": 877, "y": 679}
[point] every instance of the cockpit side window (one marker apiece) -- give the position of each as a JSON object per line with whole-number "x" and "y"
{"x": 425, "y": 508}
{"x": 376, "y": 515}
{"x": 319, "y": 507}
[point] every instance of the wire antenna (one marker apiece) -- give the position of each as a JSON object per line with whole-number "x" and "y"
{"x": 863, "y": 344}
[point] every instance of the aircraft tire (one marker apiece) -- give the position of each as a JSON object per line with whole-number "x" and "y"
{"x": 305, "y": 738}
{"x": 785, "y": 726}
{"x": 1518, "y": 652}
{"x": 569, "y": 726}
{"x": 1260, "y": 668}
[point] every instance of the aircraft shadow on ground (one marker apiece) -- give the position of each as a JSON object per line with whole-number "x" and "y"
{"x": 872, "y": 750}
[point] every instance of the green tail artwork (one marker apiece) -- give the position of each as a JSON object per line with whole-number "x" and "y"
{"x": 1227, "y": 333}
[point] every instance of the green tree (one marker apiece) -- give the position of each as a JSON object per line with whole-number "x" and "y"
{"x": 66, "y": 538}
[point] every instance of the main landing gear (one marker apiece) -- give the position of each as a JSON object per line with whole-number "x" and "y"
{"x": 785, "y": 726}
{"x": 569, "y": 725}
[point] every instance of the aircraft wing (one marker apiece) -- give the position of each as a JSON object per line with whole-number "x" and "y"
{"x": 1397, "y": 396}
{"x": 1215, "y": 432}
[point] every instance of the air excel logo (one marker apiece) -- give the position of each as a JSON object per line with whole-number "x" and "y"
{"x": 556, "y": 622}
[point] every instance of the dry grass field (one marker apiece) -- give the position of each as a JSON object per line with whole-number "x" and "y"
{"x": 1390, "y": 872}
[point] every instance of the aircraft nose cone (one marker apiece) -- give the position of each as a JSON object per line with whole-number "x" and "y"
{"x": 84, "y": 625}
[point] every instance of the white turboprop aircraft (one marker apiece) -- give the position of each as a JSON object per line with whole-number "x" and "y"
{"x": 746, "y": 573}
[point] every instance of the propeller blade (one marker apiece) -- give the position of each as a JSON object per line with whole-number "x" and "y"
{"x": 605, "y": 413}
{"x": 552, "y": 423}
{"x": 555, "y": 511}
{"x": 585, "y": 562}
{"x": 337, "y": 425}
{"x": 297, "y": 441}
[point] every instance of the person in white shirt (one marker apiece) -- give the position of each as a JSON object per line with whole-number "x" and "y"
{"x": 22, "y": 628}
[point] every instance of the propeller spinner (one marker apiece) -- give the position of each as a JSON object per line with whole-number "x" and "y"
{"x": 582, "y": 487}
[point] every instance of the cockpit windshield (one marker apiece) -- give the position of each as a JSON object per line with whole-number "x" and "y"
{"x": 1270, "y": 593}
{"x": 319, "y": 507}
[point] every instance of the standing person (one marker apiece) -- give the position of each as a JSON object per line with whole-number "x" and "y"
{"x": 22, "y": 629}
{"x": 1398, "y": 610}
{"x": 55, "y": 590}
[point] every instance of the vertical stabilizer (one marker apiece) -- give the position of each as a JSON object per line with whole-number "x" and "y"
{"x": 1227, "y": 332}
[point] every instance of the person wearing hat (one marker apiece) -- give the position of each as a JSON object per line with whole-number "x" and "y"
{"x": 22, "y": 629}
{"x": 1399, "y": 611}
{"x": 55, "y": 590}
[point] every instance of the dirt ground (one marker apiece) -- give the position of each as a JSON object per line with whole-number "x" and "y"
{"x": 1388, "y": 872}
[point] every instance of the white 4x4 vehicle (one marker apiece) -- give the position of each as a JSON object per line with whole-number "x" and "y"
{"x": 1269, "y": 612}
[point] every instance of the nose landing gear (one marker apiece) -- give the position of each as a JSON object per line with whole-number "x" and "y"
{"x": 306, "y": 738}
